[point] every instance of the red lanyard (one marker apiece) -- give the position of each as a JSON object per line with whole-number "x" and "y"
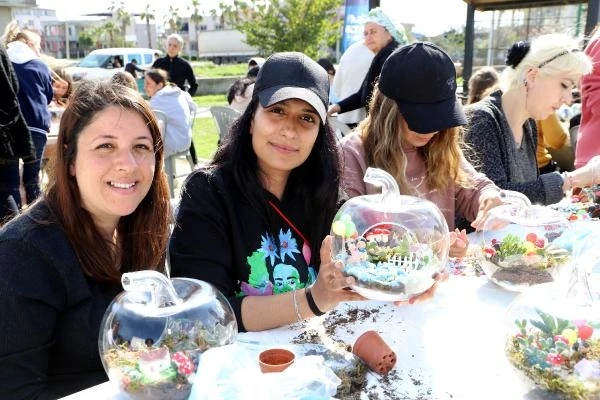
{"x": 306, "y": 252}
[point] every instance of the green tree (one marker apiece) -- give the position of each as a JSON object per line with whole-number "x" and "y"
{"x": 86, "y": 39}
{"x": 147, "y": 16}
{"x": 195, "y": 19}
{"x": 122, "y": 16}
{"x": 174, "y": 20}
{"x": 292, "y": 25}
{"x": 112, "y": 30}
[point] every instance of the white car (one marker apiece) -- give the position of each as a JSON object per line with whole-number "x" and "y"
{"x": 103, "y": 63}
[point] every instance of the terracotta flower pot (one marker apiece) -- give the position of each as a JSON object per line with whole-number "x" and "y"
{"x": 374, "y": 351}
{"x": 275, "y": 360}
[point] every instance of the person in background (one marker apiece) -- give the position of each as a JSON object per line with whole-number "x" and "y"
{"x": 381, "y": 37}
{"x": 502, "y": 134}
{"x": 15, "y": 138}
{"x": 255, "y": 62}
{"x": 125, "y": 79}
{"x": 35, "y": 94}
{"x": 133, "y": 69}
{"x": 551, "y": 134}
{"x": 588, "y": 134}
{"x": 179, "y": 72}
{"x": 177, "y": 106}
{"x": 240, "y": 92}
{"x": 105, "y": 212}
{"x": 117, "y": 62}
{"x": 330, "y": 69}
{"x": 484, "y": 81}
{"x": 253, "y": 221}
{"x": 413, "y": 132}
{"x": 352, "y": 69}
{"x": 62, "y": 87}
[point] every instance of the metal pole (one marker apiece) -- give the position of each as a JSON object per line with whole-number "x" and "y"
{"x": 491, "y": 39}
{"x": 67, "y": 48}
{"x": 469, "y": 38}
{"x": 592, "y": 16}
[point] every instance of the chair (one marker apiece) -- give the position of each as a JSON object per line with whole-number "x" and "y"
{"x": 224, "y": 117}
{"x": 339, "y": 128}
{"x": 171, "y": 161}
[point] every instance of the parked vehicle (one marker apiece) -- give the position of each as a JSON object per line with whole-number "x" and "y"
{"x": 102, "y": 63}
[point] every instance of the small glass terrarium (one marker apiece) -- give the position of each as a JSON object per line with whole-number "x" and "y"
{"x": 554, "y": 334}
{"x": 523, "y": 244}
{"x": 391, "y": 244}
{"x": 153, "y": 333}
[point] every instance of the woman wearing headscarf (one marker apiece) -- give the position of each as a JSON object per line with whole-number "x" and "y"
{"x": 382, "y": 37}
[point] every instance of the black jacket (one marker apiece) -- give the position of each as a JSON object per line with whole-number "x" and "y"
{"x": 363, "y": 96}
{"x": 50, "y": 313}
{"x": 220, "y": 238}
{"x": 179, "y": 71}
{"x": 15, "y": 138}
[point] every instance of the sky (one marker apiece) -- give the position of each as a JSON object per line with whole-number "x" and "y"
{"x": 448, "y": 13}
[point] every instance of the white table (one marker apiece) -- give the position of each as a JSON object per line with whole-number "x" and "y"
{"x": 451, "y": 347}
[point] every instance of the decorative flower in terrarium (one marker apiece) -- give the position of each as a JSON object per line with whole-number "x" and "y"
{"x": 554, "y": 335}
{"x": 391, "y": 244}
{"x": 523, "y": 244}
{"x": 152, "y": 334}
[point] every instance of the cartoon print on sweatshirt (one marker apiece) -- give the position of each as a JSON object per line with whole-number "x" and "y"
{"x": 278, "y": 258}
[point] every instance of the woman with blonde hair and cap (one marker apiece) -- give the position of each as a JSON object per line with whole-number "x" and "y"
{"x": 502, "y": 133}
{"x": 413, "y": 132}
{"x": 382, "y": 36}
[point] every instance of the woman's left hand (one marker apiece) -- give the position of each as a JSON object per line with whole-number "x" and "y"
{"x": 487, "y": 201}
{"x": 459, "y": 242}
{"x": 429, "y": 293}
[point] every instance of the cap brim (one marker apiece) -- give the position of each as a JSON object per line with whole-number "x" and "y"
{"x": 433, "y": 117}
{"x": 275, "y": 94}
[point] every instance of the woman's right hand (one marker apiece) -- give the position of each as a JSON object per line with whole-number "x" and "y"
{"x": 330, "y": 287}
{"x": 333, "y": 109}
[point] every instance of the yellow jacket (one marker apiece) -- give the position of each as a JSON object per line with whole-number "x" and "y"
{"x": 551, "y": 134}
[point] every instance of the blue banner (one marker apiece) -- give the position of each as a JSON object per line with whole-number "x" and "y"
{"x": 353, "y": 27}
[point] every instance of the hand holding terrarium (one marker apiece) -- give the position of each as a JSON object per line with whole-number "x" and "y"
{"x": 523, "y": 244}
{"x": 393, "y": 245}
{"x": 152, "y": 334}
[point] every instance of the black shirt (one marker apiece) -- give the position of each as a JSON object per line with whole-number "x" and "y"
{"x": 220, "y": 238}
{"x": 50, "y": 312}
{"x": 179, "y": 71}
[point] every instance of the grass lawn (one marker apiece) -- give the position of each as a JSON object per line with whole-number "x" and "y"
{"x": 210, "y": 100}
{"x": 207, "y": 69}
{"x": 205, "y": 137}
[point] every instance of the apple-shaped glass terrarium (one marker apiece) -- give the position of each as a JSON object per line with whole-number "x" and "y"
{"x": 153, "y": 333}
{"x": 523, "y": 244}
{"x": 391, "y": 244}
{"x": 554, "y": 331}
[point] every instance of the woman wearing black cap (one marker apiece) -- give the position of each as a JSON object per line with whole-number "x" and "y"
{"x": 412, "y": 132}
{"x": 502, "y": 132}
{"x": 252, "y": 222}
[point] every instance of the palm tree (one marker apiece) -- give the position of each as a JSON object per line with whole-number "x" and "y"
{"x": 174, "y": 21}
{"x": 196, "y": 18}
{"x": 122, "y": 16}
{"x": 148, "y": 15}
{"x": 111, "y": 29}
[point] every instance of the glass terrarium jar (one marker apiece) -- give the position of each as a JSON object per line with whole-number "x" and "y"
{"x": 391, "y": 244}
{"x": 554, "y": 334}
{"x": 153, "y": 333}
{"x": 523, "y": 244}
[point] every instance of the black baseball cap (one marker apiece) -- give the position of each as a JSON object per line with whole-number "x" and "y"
{"x": 293, "y": 75}
{"x": 421, "y": 79}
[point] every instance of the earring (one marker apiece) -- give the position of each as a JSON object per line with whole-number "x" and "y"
{"x": 525, "y": 82}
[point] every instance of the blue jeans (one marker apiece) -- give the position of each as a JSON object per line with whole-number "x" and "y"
{"x": 31, "y": 169}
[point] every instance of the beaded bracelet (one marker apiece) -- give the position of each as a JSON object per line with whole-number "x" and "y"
{"x": 311, "y": 302}
{"x": 298, "y": 315}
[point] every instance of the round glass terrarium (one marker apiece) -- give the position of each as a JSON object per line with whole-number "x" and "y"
{"x": 554, "y": 334}
{"x": 153, "y": 333}
{"x": 391, "y": 244}
{"x": 523, "y": 244}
